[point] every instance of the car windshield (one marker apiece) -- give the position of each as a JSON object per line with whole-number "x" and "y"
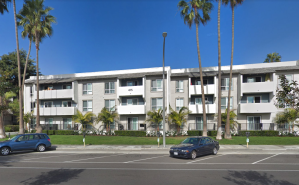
{"x": 14, "y": 138}
{"x": 193, "y": 141}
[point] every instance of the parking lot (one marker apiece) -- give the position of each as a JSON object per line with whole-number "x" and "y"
{"x": 125, "y": 168}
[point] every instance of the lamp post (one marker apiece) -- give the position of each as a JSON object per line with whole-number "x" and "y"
{"x": 164, "y": 34}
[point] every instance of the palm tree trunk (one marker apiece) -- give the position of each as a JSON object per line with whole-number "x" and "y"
{"x": 227, "y": 126}
{"x": 205, "y": 132}
{"x": 24, "y": 75}
{"x": 218, "y": 137}
{"x": 2, "y": 130}
{"x": 21, "y": 123}
{"x": 38, "y": 127}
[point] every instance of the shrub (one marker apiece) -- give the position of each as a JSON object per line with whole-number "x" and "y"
{"x": 11, "y": 128}
{"x": 260, "y": 133}
{"x": 212, "y": 133}
{"x": 49, "y": 132}
{"x": 130, "y": 133}
{"x": 65, "y": 132}
{"x": 194, "y": 133}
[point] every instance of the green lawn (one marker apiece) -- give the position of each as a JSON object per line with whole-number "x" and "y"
{"x": 126, "y": 140}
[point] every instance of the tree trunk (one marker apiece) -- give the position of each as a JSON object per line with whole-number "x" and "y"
{"x": 21, "y": 122}
{"x": 227, "y": 134}
{"x": 219, "y": 137}
{"x": 24, "y": 75}
{"x": 205, "y": 132}
{"x": 38, "y": 126}
{"x": 2, "y": 130}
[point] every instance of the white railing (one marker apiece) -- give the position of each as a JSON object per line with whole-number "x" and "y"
{"x": 196, "y": 89}
{"x": 56, "y": 111}
{"x": 131, "y": 109}
{"x": 131, "y": 91}
{"x": 257, "y": 108}
{"x": 259, "y": 87}
{"x": 197, "y": 109}
{"x": 55, "y": 94}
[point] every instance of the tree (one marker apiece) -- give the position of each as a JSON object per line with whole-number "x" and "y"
{"x": 85, "y": 119}
{"x": 3, "y": 6}
{"x": 233, "y": 4}
{"x": 273, "y": 57}
{"x": 232, "y": 118}
{"x": 27, "y": 118}
{"x": 107, "y": 117}
{"x": 180, "y": 117}
{"x": 41, "y": 26}
{"x": 155, "y": 118}
{"x": 21, "y": 123}
{"x": 190, "y": 14}
{"x": 289, "y": 115}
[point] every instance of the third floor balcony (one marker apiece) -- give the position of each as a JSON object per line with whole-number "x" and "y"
{"x": 131, "y": 87}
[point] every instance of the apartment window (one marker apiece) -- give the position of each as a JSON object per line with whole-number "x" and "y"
{"x": 157, "y": 85}
{"x": 133, "y": 101}
{"x": 179, "y": 103}
{"x": 49, "y": 121}
{"x": 110, "y": 105}
{"x": 179, "y": 86}
{"x": 254, "y": 79}
{"x": 87, "y": 88}
{"x": 133, "y": 123}
{"x": 289, "y": 78}
{"x": 109, "y": 88}
{"x": 224, "y": 102}
{"x": 199, "y": 123}
{"x": 32, "y": 123}
{"x": 87, "y": 105}
{"x": 225, "y": 84}
{"x": 253, "y": 99}
{"x": 66, "y": 103}
{"x": 31, "y": 90}
{"x": 157, "y": 103}
{"x": 205, "y": 82}
{"x": 48, "y": 104}
{"x": 67, "y": 123}
{"x": 132, "y": 83}
{"x": 32, "y": 106}
{"x": 67, "y": 86}
{"x": 198, "y": 101}
{"x": 253, "y": 122}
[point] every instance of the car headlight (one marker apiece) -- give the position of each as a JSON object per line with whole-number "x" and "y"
{"x": 186, "y": 151}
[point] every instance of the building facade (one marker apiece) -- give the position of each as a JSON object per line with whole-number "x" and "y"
{"x": 135, "y": 92}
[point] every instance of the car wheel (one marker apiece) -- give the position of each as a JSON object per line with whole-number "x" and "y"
{"x": 215, "y": 151}
{"x": 41, "y": 148}
{"x": 5, "y": 151}
{"x": 193, "y": 155}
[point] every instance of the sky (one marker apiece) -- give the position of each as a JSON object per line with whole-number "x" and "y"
{"x": 106, "y": 35}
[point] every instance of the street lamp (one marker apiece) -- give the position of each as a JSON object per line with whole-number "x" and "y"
{"x": 164, "y": 34}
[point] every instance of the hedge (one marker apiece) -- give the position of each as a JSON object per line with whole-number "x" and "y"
{"x": 130, "y": 133}
{"x": 11, "y": 128}
{"x": 64, "y": 132}
{"x": 194, "y": 133}
{"x": 260, "y": 133}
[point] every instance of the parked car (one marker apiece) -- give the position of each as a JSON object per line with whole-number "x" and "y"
{"x": 192, "y": 147}
{"x": 37, "y": 142}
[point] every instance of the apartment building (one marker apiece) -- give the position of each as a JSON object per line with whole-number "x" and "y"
{"x": 135, "y": 92}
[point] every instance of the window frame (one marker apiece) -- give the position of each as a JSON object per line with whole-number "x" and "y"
{"x": 176, "y": 106}
{"x": 158, "y": 89}
{"x": 87, "y": 91}
{"x": 226, "y": 86}
{"x": 177, "y": 86}
{"x": 66, "y": 85}
{"x": 156, "y": 104}
{"x": 110, "y": 108}
{"x": 87, "y": 106}
{"x": 48, "y": 102}
{"x": 232, "y": 105}
{"x": 109, "y": 90}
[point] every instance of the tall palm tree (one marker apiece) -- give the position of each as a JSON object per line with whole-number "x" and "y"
{"x": 273, "y": 57}
{"x": 3, "y": 6}
{"x": 233, "y": 4}
{"x": 107, "y": 117}
{"x": 21, "y": 123}
{"x": 190, "y": 14}
{"x": 41, "y": 26}
{"x": 180, "y": 117}
{"x": 85, "y": 119}
{"x": 155, "y": 117}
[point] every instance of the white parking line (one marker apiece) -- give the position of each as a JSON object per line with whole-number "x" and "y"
{"x": 267, "y": 158}
{"x": 145, "y": 159}
{"x": 50, "y": 157}
{"x": 205, "y": 159}
{"x": 93, "y": 158}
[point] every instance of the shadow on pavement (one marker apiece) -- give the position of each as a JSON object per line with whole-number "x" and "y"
{"x": 254, "y": 178}
{"x": 53, "y": 177}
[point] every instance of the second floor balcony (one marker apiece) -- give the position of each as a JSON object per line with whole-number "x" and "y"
{"x": 257, "y": 108}
{"x": 131, "y": 91}
{"x": 258, "y": 87}
{"x": 56, "y": 111}
{"x": 197, "y": 108}
{"x": 196, "y": 89}
{"x": 55, "y": 94}
{"x": 131, "y": 109}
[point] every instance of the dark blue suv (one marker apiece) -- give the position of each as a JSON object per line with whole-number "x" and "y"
{"x": 37, "y": 142}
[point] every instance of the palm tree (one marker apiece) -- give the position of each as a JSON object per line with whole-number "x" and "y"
{"x": 3, "y": 6}
{"x": 27, "y": 118}
{"x": 289, "y": 115}
{"x": 21, "y": 123}
{"x": 155, "y": 117}
{"x": 232, "y": 118}
{"x": 180, "y": 117}
{"x": 107, "y": 117}
{"x": 273, "y": 57}
{"x": 41, "y": 26}
{"x": 85, "y": 119}
{"x": 232, "y": 3}
{"x": 190, "y": 14}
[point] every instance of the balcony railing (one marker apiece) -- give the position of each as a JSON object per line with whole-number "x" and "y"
{"x": 56, "y": 111}
{"x": 257, "y": 87}
{"x": 131, "y": 91}
{"x": 55, "y": 94}
{"x": 197, "y": 109}
{"x": 196, "y": 89}
{"x": 131, "y": 109}
{"x": 257, "y": 108}
{"x": 199, "y": 126}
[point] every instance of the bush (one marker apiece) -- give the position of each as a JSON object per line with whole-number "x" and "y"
{"x": 49, "y": 132}
{"x": 11, "y": 128}
{"x": 65, "y": 132}
{"x": 212, "y": 133}
{"x": 194, "y": 133}
{"x": 130, "y": 133}
{"x": 260, "y": 133}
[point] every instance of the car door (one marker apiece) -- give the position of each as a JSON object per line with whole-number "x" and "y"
{"x": 201, "y": 147}
{"x": 32, "y": 141}
{"x": 209, "y": 145}
{"x": 20, "y": 143}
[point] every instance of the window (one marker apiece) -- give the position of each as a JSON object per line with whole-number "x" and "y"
{"x": 225, "y": 84}
{"x": 289, "y": 78}
{"x": 87, "y": 105}
{"x": 179, "y": 86}
{"x": 157, "y": 85}
{"x": 224, "y": 102}
{"x": 33, "y": 123}
{"x": 31, "y": 90}
{"x": 133, "y": 101}
{"x": 110, "y": 105}
{"x": 87, "y": 88}
{"x": 179, "y": 103}
{"x": 133, "y": 123}
{"x": 253, "y": 99}
{"x": 32, "y": 106}
{"x": 253, "y": 122}
{"x": 66, "y": 103}
{"x": 67, "y": 123}
{"x": 48, "y": 104}
{"x": 205, "y": 82}
{"x": 157, "y": 103}
{"x": 109, "y": 88}
{"x": 132, "y": 83}
{"x": 199, "y": 123}
{"x": 199, "y": 102}
{"x": 254, "y": 79}
{"x": 67, "y": 86}
{"x": 49, "y": 121}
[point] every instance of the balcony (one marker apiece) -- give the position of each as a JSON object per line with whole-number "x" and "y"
{"x": 56, "y": 111}
{"x": 257, "y": 108}
{"x": 197, "y": 109}
{"x": 55, "y": 94}
{"x": 131, "y": 109}
{"x": 131, "y": 91}
{"x": 257, "y": 87}
{"x": 196, "y": 89}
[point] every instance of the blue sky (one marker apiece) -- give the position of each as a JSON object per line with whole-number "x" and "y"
{"x": 104, "y": 35}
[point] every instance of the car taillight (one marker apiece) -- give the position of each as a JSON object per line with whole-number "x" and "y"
{"x": 49, "y": 139}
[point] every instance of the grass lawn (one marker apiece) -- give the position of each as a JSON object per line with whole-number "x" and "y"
{"x": 126, "y": 140}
